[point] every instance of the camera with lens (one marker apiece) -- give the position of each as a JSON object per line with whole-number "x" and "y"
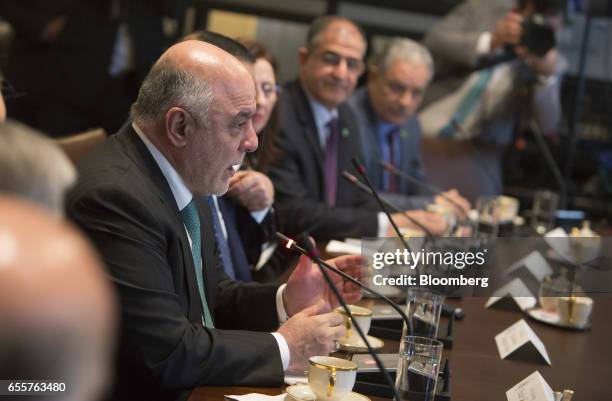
{"x": 538, "y": 36}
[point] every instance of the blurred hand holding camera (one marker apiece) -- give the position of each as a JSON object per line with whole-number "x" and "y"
{"x": 508, "y": 31}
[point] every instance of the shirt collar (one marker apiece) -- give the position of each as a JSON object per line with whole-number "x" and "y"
{"x": 385, "y": 128}
{"x": 322, "y": 116}
{"x": 182, "y": 194}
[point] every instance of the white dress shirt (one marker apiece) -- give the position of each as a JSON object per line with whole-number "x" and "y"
{"x": 182, "y": 196}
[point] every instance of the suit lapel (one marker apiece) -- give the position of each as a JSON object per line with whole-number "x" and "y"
{"x": 137, "y": 151}
{"x": 373, "y": 152}
{"x": 306, "y": 120}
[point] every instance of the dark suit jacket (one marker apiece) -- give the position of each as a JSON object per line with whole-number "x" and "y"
{"x": 299, "y": 177}
{"x": 409, "y": 196}
{"x": 245, "y": 237}
{"x": 124, "y": 204}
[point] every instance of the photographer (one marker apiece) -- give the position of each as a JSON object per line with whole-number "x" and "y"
{"x": 496, "y": 66}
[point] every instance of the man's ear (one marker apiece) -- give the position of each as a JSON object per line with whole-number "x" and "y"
{"x": 302, "y": 55}
{"x": 178, "y": 124}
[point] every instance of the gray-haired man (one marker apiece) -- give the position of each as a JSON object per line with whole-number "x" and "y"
{"x": 397, "y": 79}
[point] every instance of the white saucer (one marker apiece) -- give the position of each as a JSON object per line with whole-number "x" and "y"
{"x": 359, "y": 346}
{"x": 552, "y": 318}
{"x": 302, "y": 392}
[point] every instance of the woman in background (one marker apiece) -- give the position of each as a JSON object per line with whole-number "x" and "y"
{"x": 265, "y": 119}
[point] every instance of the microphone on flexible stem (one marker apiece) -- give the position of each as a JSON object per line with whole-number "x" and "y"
{"x": 311, "y": 253}
{"x": 550, "y": 160}
{"x": 429, "y": 187}
{"x": 352, "y": 179}
{"x": 293, "y": 245}
{"x": 361, "y": 170}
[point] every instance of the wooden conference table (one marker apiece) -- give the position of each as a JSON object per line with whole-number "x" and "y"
{"x": 581, "y": 361}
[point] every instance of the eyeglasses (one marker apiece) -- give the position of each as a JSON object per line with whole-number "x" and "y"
{"x": 333, "y": 59}
{"x": 268, "y": 89}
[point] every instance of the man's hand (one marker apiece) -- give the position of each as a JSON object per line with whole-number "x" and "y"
{"x": 311, "y": 332}
{"x": 460, "y": 205}
{"x": 508, "y": 31}
{"x": 434, "y": 223}
{"x": 252, "y": 190}
{"x": 540, "y": 65}
{"x": 306, "y": 285}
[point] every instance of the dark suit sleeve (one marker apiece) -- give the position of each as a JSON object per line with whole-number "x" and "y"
{"x": 157, "y": 337}
{"x": 300, "y": 210}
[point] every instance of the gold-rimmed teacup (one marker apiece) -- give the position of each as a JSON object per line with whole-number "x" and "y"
{"x": 361, "y": 316}
{"x": 330, "y": 378}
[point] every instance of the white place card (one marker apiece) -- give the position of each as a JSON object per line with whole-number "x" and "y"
{"x": 514, "y": 295}
{"x": 521, "y": 342}
{"x": 532, "y": 388}
{"x": 535, "y": 264}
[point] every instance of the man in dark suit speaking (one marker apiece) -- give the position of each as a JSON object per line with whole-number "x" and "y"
{"x": 140, "y": 198}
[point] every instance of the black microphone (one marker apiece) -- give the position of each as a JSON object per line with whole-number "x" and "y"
{"x": 429, "y": 187}
{"x": 311, "y": 253}
{"x": 449, "y": 310}
{"x": 550, "y": 160}
{"x": 293, "y": 245}
{"x": 361, "y": 170}
{"x": 355, "y": 181}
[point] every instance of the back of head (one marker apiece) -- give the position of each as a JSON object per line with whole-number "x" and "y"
{"x": 33, "y": 167}
{"x": 228, "y": 44}
{"x": 56, "y": 307}
{"x": 259, "y": 51}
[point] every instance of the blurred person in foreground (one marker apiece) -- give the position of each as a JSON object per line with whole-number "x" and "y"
{"x": 57, "y": 310}
{"x": 33, "y": 167}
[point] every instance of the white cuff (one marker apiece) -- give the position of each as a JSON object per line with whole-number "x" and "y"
{"x": 259, "y": 215}
{"x": 483, "y": 46}
{"x": 283, "y": 348}
{"x": 383, "y": 224}
{"x": 280, "y": 308}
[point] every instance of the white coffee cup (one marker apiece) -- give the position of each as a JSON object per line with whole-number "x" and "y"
{"x": 361, "y": 316}
{"x": 331, "y": 379}
{"x": 575, "y": 311}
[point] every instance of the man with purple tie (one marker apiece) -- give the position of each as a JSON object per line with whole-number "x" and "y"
{"x": 319, "y": 136}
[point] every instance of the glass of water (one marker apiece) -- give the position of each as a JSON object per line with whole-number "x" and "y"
{"x": 423, "y": 308}
{"x": 418, "y": 368}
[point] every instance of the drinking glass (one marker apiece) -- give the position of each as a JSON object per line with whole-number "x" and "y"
{"x": 418, "y": 368}
{"x": 423, "y": 308}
